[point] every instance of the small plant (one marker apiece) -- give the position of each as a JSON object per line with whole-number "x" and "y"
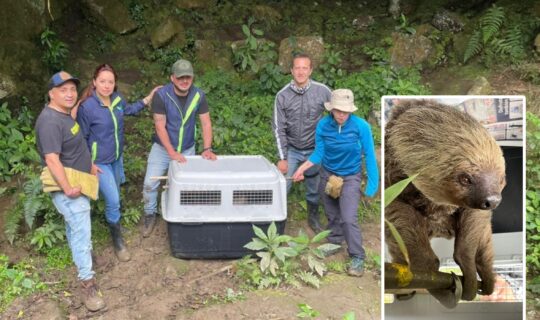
{"x": 18, "y": 280}
{"x": 17, "y": 141}
{"x": 55, "y": 50}
{"x": 245, "y": 55}
{"x": 502, "y": 37}
{"x": 314, "y": 257}
{"x": 404, "y": 25}
{"x": 47, "y": 235}
{"x": 269, "y": 248}
{"x": 306, "y": 311}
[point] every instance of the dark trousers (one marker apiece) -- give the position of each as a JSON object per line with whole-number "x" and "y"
{"x": 342, "y": 213}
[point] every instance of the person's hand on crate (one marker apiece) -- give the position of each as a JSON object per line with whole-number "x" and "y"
{"x": 208, "y": 154}
{"x": 178, "y": 157}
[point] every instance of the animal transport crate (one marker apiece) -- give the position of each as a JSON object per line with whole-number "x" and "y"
{"x": 210, "y": 206}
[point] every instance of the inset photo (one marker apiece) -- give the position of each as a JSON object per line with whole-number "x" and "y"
{"x": 453, "y": 207}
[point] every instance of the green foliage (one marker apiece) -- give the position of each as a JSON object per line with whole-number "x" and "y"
{"x": 292, "y": 264}
{"x": 501, "y": 37}
{"x": 59, "y": 257}
{"x": 136, "y": 12}
{"x": 46, "y": 236}
{"x": 370, "y": 85}
{"x": 532, "y": 195}
{"x": 245, "y": 55}
{"x": 269, "y": 248}
{"x": 131, "y": 216}
{"x": 404, "y": 25}
{"x": 306, "y": 311}
{"x": 17, "y": 141}
{"x": 55, "y": 51}
{"x": 17, "y": 281}
{"x": 165, "y": 57}
{"x": 330, "y": 69}
{"x": 349, "y": 316}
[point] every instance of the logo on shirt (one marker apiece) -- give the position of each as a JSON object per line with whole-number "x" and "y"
{"x": 75, "y": 129}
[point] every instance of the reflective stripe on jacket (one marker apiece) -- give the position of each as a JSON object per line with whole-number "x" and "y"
{"x": 181, "y": 120}
{"x": 103, "y": 126}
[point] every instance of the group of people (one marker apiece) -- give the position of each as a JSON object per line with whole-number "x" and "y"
{"x": 88, "y": 136}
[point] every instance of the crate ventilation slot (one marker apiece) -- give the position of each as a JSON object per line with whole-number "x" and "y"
{"x": 207, "y": 198}
{"x": 252, "y": 197}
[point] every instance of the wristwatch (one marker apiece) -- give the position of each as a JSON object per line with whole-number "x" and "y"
{"x": 208, "y": 149}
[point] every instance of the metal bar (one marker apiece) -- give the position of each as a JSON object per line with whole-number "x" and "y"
{"x": 398, "y": 276}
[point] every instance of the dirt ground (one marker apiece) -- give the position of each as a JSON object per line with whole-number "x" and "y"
{"x": 155, "y": 285}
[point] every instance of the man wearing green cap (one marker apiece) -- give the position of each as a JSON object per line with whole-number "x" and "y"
{"x": 174, "y": 106}
{"x": 61, "y": 145}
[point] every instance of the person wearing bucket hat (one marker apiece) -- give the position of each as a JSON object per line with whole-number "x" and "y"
{"x": 343, "y": 141}
{"x": 175, "y": 107}
{"x": 297, "y": 108}
{"x": 101, "y": 117}
{"x": 61, "y": 145}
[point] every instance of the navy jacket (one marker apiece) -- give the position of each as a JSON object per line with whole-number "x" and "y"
{"x": 103, "y": 126}
{"x": 181, "y": 120}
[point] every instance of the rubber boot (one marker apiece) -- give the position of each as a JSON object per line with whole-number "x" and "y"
{"x": 119, "y": 248}
{"x": 91, "y": 296}
{"x": 149, "y": 223}
{"x": 313, "y": 218}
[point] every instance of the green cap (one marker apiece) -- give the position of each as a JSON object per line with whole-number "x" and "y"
{"x": 182, "y": 68}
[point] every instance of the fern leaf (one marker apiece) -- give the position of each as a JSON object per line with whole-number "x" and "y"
{"x": 31, "y": 207}
{"x": 12, "y": 224}
{"x": 309, "y": 278}
{"x": 474, "y": 46}
{"x": 491, "y": 22}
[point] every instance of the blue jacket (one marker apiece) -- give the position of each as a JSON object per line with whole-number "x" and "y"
{"x": 181, "y": 122}
{"x": 103, "y": 127}
{"x": 340, "y": 149}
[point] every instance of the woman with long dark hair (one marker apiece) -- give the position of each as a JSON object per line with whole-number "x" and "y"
{"x": 101, "y": 118}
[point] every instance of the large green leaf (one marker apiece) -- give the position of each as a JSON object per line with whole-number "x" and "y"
{"x": 399, "y": 241}
{"x": 394, "y": 190}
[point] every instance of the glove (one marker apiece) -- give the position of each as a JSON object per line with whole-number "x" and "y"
{"x": 334, "y": 186}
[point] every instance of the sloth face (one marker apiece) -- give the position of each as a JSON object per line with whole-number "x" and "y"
{"x": 479, "y": 190}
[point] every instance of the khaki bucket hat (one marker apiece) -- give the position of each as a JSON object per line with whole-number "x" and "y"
{"x": 342, "y": 99}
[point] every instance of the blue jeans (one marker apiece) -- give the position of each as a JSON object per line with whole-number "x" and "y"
{"x": 295, "y": 158}
{"x": 158, "y": 164}
{"x": 76, "y": 213}
{"x": 110, "y": 179}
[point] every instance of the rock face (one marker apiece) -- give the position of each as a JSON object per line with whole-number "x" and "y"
{"x": 113, "y": 13}
{"x": 447, "y": 21}
{"x": 481, "y": 86}
{"x": 7, "y": 86}
{"x": 409, "y": 50}
{"x": 166, "y": 31}
{"x": 213, "y": 54}
{"x": 314, "y": 46}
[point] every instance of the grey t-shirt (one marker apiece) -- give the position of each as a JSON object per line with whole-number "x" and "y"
{"x": 57, "y": 132}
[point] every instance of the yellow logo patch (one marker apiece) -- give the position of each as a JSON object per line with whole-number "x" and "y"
{"x": 75, "y": 129}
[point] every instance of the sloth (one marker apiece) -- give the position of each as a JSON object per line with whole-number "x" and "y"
{"x": 461, "y": 174}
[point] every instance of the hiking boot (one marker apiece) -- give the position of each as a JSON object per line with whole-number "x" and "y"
{"x": 313, "y": 217}
{"x": 118, "y": 242}
{"x": 149, "y": 223}
{"x": 356, "y": 269}
{"x": 330, "y": 249}
{"x": 92, "y": 297}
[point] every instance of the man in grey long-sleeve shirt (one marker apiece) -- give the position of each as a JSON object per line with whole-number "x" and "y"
{"x": 297, "y": 110}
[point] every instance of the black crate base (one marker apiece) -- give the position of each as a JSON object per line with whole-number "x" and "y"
{"x": 213, "y": 240}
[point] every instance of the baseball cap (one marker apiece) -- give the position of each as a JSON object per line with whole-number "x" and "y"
{"x": 182, "y": 68}
{"x": 60, "y": 78}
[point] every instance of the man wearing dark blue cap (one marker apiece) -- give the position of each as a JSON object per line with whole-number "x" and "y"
{"x": 61, "y": 145}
